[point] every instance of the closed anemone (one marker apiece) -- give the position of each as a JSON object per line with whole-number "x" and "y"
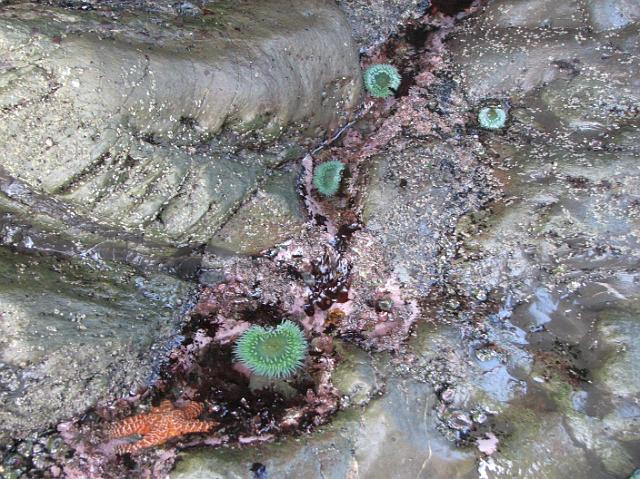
{"x": 272, "y": 352}
{"x": 381, "y": 80}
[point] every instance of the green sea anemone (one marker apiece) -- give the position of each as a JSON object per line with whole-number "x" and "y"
{"x": 492, "y": 118}
{"x": 381, "y": 80}
{"x": 327, "y": 177}
{"x": 272, "y": 352}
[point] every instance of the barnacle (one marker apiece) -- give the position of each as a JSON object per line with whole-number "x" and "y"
{"x": 272, "y": 352}
{"x": 381, "y": 80}
{"x": 492, "y": 117}
{"x": 327, "y": 177}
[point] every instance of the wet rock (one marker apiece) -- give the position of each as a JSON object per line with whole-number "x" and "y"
{"x": 374, "y": 21}
{"x": 391, "y": 428}
{"x": 533, "y": 443}
{"x": 423, "y": 175}
{"x": 613, "y": 14}
{"x": 519, "y": 46}
{"x": 535, "y": 14}
{"x": 593, "y": 103}
{"x": 559, "y": 244}
{"x": 411, "y": 218}
{"x": 604, "y": 439}
{"x": 355, "y": 377}
{"x": 32, "y": 223}
{"x": 470, "y": 384}
{"x": 289, "y": 459}
{"x": 163, "y": 124}
{"x": 596, "y": 437}
{"x": 354, "y": 445}
{"x": 618, "y": 330}
{"x": 272, "y": 215}
{"x": 73, "y": 334}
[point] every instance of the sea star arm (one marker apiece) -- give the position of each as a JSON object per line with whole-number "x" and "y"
{"x": 129, "y": 426}
{"x": 145, "y": 442}
{"x": 192, "y": 409}
{"x": 197, "y": 426}
{"x": 155, "y": 438}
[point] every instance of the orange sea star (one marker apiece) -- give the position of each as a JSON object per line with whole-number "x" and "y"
{"x": 159, "y": 425}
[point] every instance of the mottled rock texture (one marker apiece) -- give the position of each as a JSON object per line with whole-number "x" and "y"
{"x": 73, "y": 334}
{"x": 165, "y": 124}
{"x": 374, "y": 21}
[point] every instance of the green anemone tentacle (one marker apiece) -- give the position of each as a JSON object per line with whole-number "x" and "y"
{"x": 381, "y": 80}
{"x": 327, "y": 177}
{"x": 272, "y": 352}
{"x": 492, "y": 117}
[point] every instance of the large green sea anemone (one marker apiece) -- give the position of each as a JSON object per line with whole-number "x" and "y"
{"x": 381, "y": 80}
{"x": 272, "y": 352}
{"x": 327, "y": 177}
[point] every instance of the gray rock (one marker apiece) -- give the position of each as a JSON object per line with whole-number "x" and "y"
{"x": 613, "y": 14}
{"x": 269, "y": 217}
{"x": 165, "y": 125}
{"x": 373, "y": 21}
{"x": 72, "y": 334}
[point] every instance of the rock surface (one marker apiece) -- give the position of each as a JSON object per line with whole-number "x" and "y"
{"x": 394, "y": 435}
{"x": 531, "y": 292}
{"x": 518, "y": 248}
{"x": 272, "y": 215}
{"x": 166, "y": 124}
{"x": 72, "y": 335}
{"x": 373, "y": 21}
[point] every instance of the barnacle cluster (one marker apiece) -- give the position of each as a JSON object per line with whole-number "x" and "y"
{"x": 272, "y": 352}
{"x": 381, "y": 80}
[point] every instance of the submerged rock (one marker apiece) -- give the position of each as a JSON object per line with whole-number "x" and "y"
{"x": 618, "y": 330}
{"x": 73, "y": 334}
{"x": 393, "y": 437}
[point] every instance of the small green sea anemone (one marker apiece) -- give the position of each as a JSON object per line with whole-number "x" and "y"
{"x": 327, "y": 177}
{"x": 272, "y": 352}
{"x": 381, "y": 80}
{"x": 492, "y": 117}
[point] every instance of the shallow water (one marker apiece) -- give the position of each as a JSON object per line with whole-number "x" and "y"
{"x": 471, "y": 296}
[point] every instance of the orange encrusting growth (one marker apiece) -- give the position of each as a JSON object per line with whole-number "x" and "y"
{"x": 159, "y": 425}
